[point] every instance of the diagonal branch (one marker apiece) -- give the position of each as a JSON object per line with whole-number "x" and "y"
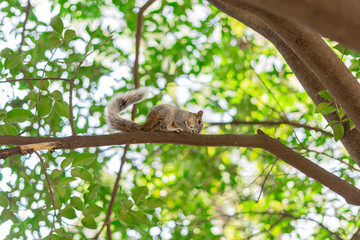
{"x": 317, "y": 55}
{"x": 27, "y": 13}
{"x": 50, "y": 190}
{"x": 310, "y": 82}
{"x": 350, "y": 193}
{"x": 319, "y": 16}
{"x": 266, "y": 177}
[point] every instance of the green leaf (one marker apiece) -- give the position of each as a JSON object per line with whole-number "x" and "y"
{"x": 55, "y": 173}
{"x": 56, "y": 94}
{"x": 92, "y": 210}
{"x": 321, "y": 107}
{"x": 69, "y": 213}
{"x": 352, "y": 125}
{"x": 66, "y": 180}
{"x": 338, "y": 131}
{"x": 13, "y": 61}
{"x": 92, "y": 193}
{"x": 139, "y": 217}
{"x": 44, "y": 106}
{"x": 89, "y": 222}
{"x": 66, "y": 162}
{"x": 77, "y": 203}
{"x": 121, "y": 210}
{"x": 4, "y": 202}
{"x": 325, "y": 95}
{"x": 54, "y": 42}
{"x": 151, "y": 203}
{"x": 69, "y": 34}
{"x": 8, "y": 130}
{"x": 328, "y": 110}
{"x": 43, "y": 85}
{"x": 82, "y": 173}
{"x": 60, "y": 190}
{"x": 83, "y": 159}
{"x": 341, "y": 113}
{"x": 6, "y": 52}
{"x": 62, "y": 108}
{"x": 54, "y": 237}
{"x": 32, "y": 95}
{"x": 139, "y": 193}
{"x": 18, "y": 115}
{"x": 331, "y": 123}
{"x": 57, "y": 24}
{"x": 127, "y": 203}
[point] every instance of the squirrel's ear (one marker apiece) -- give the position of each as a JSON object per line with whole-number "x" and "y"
{"x": 199, "y": 114}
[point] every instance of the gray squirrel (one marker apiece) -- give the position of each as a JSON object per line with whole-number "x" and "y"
{"x": 162, "y": 117}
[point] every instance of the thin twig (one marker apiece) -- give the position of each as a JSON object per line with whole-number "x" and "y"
{"x": 343, "y": 53}
{"x": 27, "y": 13}
{"x": 50, "y": 190}
{"x": 271, "y": 123}
{"x": 266, "y": 177}
{"x": 328, "y": 155}
{"x": 279, "y": 106}
{"x": 71, "y": 115}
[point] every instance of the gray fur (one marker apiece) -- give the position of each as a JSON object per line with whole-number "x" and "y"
{"x": 118, "y": 104}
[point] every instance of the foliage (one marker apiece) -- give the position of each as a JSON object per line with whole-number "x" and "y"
{"x": 192, "y": 56}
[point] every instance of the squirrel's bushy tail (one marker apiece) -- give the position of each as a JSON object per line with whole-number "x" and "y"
{"x": 118, "y": 104}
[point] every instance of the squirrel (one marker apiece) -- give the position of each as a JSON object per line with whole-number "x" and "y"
{"x": 162, "y": 117}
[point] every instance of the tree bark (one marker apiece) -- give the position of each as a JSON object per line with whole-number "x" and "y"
{"x": 305, "y": 75}
{"x": 317, "y": 55}
{"x": 336, "y": 19}
{"x": 350, "y": 193}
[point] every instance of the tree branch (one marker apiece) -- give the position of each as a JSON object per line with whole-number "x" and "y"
{"x": 306, "y": 77}
{"x": 260, "y": 140}
{"x": 27, "y": 13}
{"x": 336, "y": 19}
{"x": 50, "y": 190}
{"x": 318, "y": 56}
{"x": 266, "y": 177}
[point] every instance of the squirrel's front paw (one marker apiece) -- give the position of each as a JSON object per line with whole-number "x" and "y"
{"x": 179, "y": 130}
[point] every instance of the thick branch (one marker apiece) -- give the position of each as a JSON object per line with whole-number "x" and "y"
{"x": 306, "y": 77}
{"x": 336, "y": 19}
{"x": 318, "y": 56}
{"x": 260, "y": 140}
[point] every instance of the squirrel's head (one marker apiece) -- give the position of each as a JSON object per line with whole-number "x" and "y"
{"x": 196, "y": 121}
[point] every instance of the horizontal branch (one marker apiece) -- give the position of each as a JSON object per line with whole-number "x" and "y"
{"x": 350, "y": 193}
{"x": 273, "y": 123}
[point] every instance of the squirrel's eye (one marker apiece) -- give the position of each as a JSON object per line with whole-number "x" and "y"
{"x": 199, "y": 121}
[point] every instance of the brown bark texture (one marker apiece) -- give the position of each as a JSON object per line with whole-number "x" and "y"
{"x": 310, "y": 82}
{"x": 350, "y": 193}
{"x": 336, "y": 19}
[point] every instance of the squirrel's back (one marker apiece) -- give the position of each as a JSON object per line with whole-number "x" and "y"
{"x": 118, "y": 104}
